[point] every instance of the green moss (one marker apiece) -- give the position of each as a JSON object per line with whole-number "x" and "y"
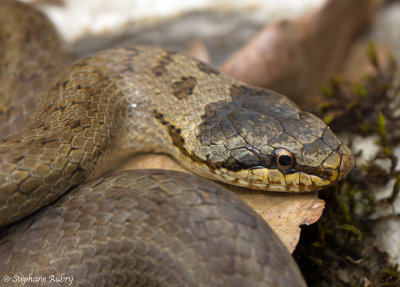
{"x": 339, "y": 250}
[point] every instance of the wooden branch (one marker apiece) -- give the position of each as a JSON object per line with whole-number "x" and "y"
{"x": 295, "y": 57}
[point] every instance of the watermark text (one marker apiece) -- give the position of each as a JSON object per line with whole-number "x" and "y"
{"x": 31, "y": 278}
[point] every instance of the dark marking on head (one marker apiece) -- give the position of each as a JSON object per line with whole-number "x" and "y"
{"x": 239, "y": 128}
{"x": 244, "y": 158}
{"x": 184, "y": 87}
{"x": 207, "y": 69}
{"x": 265, "y": 102}
{"x": 179, "y": 142}
{"x": 245, "y": 91}
{"x": 174, "y": 133}
{"x": 237, "y": 124}
{"x": 162, "y": 63}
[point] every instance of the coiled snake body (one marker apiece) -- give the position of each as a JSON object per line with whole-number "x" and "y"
{"x": 144, "y": 227}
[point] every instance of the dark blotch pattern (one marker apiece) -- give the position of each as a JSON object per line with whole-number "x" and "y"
{"x": 240, "y": 90}
{"x": 275, "y": 122}
{"x": 207, "y": 69}
{"x": 184, "y": 87}
{"x": 221, "y": 128}
{"x": 243, "y": 159}
{"x": 179, "y": 142}
{"x": 162, "y": 63}
{"x": 173, "y": 131}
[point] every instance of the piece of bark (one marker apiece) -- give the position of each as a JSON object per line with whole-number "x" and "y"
{"x": 296, "y": 57}
{"x": 358, "y": 64}
{"x": 284, "y": 212}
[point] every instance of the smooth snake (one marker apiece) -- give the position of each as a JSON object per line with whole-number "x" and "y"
{"x": 63, "y": 125}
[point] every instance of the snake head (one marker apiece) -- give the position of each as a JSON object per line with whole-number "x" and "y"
{"x": 262, "y": 140}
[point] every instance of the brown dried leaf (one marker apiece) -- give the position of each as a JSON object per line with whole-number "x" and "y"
{"x": 295, "y": 57}
{"x": 285, "y": 212}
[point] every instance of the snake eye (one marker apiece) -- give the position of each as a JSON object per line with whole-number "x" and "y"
{"x": 283, "y": 159}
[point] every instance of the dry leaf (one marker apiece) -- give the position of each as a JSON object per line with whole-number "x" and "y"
{"x": 295, "y": 57}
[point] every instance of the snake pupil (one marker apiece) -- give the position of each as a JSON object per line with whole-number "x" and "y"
{"x": 285, "y": 160}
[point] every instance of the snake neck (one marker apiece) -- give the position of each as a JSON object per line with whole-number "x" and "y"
{"x": 98, "y": 108}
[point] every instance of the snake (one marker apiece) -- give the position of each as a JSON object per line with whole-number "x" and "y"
{"x": 65, "y": 220}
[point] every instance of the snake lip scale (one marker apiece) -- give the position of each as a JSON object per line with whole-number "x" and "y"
{"x": 64, "y": 122}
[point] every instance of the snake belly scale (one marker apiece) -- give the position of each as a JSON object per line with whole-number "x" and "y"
{"x": 144, "y": 99}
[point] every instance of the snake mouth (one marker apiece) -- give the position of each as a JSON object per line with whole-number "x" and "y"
{"x": 334, "y": 168}
{"x": 301, "y": 179}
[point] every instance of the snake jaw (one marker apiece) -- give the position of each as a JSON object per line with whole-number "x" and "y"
{"x": 306, "y": 179}
{"x": 338, "y": 164}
